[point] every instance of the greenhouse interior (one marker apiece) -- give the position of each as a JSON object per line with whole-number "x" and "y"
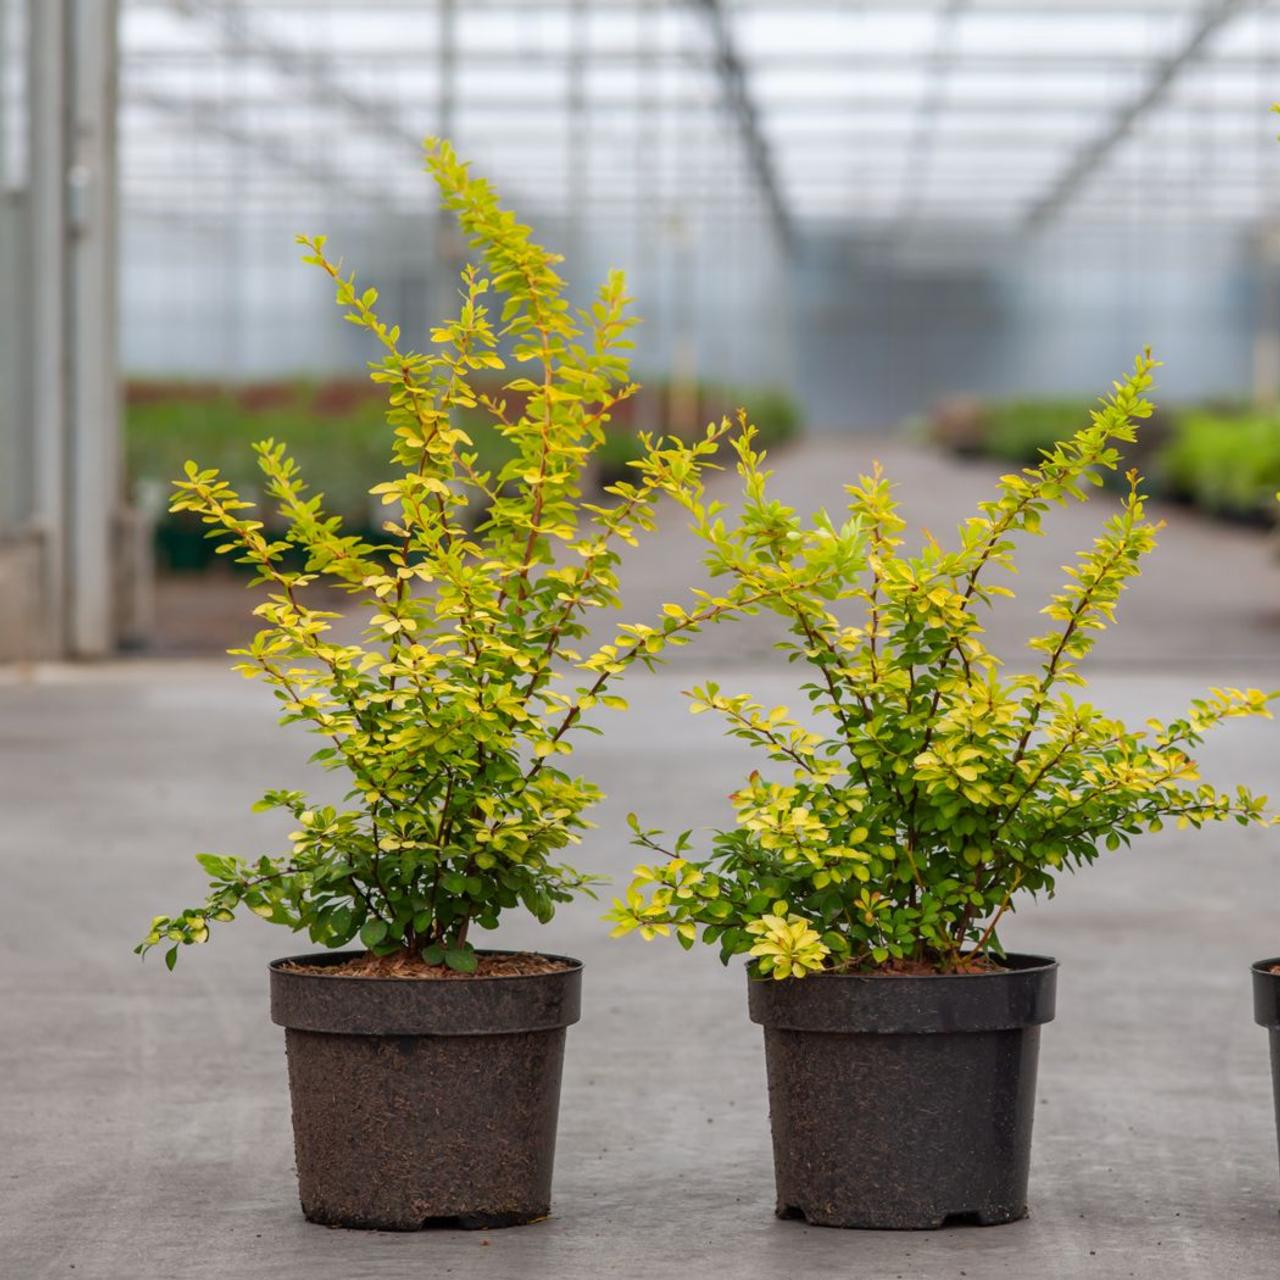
{"x": 416, "y": 414}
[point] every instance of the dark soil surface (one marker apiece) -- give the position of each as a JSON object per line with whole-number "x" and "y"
{"x": 515, "y": 964}
{"x": 922, "y": 968}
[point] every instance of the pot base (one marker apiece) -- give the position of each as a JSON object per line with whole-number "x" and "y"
{"x": 459, "y": 1222}
{"x": 990, "y": 1217}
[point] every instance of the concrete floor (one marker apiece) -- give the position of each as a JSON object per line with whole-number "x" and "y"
{"x": 144, "y": 1117}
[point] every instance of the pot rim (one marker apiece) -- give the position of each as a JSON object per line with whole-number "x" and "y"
{"x": 1019, "y": 996}
{"x": 334, "y": 958}
{"x": 1264, "y": 967}
{"x": 487, "y": 1005}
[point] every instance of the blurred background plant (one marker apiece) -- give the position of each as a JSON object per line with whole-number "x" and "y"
{"x": 1222, "y": 457}
{"x": 337, "y": 431}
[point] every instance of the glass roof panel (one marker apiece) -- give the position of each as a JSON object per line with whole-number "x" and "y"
{"x": 884, "y": 110}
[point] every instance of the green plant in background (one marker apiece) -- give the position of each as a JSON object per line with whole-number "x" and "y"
{"x": 774, "y": 413}
{"x": 336, "y": 434}
{"x": 450, "y": 718}
{"x": 937, "y": 790}
{"x": 1228, "y": 464}
{"x": 1018, "y": 430}
{"x": 1223, "y": 456}
{"x": 1013, "y": 430}
{"x": 1021, "y": 431}
{"x": 341, "y": 449}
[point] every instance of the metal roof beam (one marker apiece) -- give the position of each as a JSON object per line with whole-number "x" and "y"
{"x": 737, "y": 94}
{"x": 274, "y": 148}
{"x": 920, "y": 145}
{"x": 1213, "y": 17}
{"x": 844, "y": 148}
{"x": 301, "y": 63}
{"x": 1055, "y": 107}
{"x": 302, "y": 60}
{"x": 1091, "y": 9}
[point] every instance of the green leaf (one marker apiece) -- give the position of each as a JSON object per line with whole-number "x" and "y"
{"x": 373, "y": 933}
{"x": 462, "y": 960}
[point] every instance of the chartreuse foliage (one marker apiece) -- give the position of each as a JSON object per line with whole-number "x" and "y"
{"x": 937, "y": 789}
{"x": 453, "y": 714}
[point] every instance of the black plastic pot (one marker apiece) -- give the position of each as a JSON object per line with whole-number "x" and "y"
{"x": 904, "y": 1103}
{"x": 421, "y": 1103}
{"x": 1266, "y": 1012}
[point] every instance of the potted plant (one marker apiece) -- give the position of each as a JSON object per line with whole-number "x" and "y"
{"x": 424, "y": 1071}
{"x": 1266, "y": 1008}
{"x": 928, "y": 793}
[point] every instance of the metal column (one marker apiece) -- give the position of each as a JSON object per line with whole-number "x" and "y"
{"x": 94, "y": 482}
{"x": 74, "y": 395}
{"x": 47, "y": 47}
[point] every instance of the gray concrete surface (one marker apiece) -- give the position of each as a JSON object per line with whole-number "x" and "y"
{"x": 144, "y": 1127}
{"x": 1210, "y": 593}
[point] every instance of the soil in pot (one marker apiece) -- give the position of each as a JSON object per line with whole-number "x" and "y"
{"x": 405, "y": 966}
{"x": 904, "y": 1102}
{"x": 421, "y": 1103}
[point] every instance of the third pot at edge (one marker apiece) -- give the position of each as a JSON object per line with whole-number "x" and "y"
{"x": 1266, "y": 1013}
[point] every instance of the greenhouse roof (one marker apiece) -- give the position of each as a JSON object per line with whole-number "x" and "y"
{"x": 881, "y": 116}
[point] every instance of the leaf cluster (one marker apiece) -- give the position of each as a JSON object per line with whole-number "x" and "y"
{"x": 453, "y": 715}
{"x": 936, "y": 790}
